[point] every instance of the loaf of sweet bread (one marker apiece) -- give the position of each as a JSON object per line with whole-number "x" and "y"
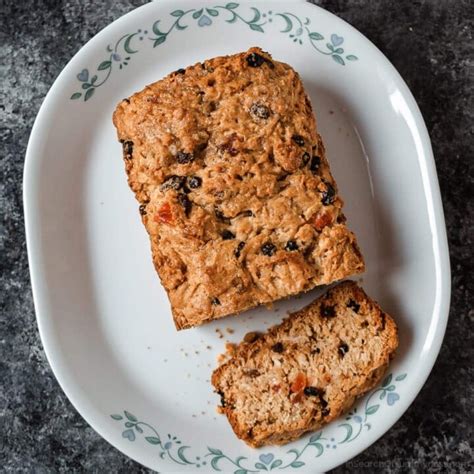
{"x": 233, "y": 186}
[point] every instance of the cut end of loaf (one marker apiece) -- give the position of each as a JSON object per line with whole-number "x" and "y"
{"x": 308, "y": 370}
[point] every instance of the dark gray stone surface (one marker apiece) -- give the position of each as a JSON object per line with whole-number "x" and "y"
{"x": 429, "y": 41}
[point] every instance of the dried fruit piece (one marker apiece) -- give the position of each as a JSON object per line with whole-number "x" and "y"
{"x": 291, "y": 246}
{"x": 312, "y": 392}
{"x": 186, "y": 203}
{"x": 322, "y": 220}
{"x": 298, "y": 139}
{"x": 353, "y": 305}
{"x": 268, "y": 249}
{"x": 128, "y": 149}
{"x": 194, "y": 182}
{"x": 164, "y": 214}
{"x": 325, "y": 411}
{"x": 299, "y": 383}
{"x": 228, "y": 145}
{"x": 278, "y": 347}
{"x": 227, "y": 235}
{"x": 255, "y": 60}
{"x": 142, "y": 209}
{"x": 328, "y": 195}
{"x": 215, "y": 301}
{"x": 239, "y": 249}
{"x": 327, "y": 311}
{"x": 315, "y": 164}
{"x": 305, "y": 158}
{"x": 184, "y": 158}
{"x": 221, "y": 394}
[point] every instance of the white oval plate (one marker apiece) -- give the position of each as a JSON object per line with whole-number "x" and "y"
{"x": 105, "y": 320}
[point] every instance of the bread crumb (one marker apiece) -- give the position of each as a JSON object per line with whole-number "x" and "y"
{"x": 252, "y": 336}
{"x": 209, "y": 347}
{"x": 230, "y": 348}
{"x": 230, "y": 330}
{"x": 219, "y": 333}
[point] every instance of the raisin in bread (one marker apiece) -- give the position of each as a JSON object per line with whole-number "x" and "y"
{"x": 308, "y": 370}
{"x": 234, "y": 187}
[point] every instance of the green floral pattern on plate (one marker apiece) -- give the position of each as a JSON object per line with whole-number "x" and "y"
{"x": 171, "y": 447}
{"x": 298, "y": 30}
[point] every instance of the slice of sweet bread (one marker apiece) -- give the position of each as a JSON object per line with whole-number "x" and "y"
{"x": 309, "y": 369}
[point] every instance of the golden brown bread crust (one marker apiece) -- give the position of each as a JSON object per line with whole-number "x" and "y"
{"x": 308, "y": 370}
{"x": 234, "y": 187}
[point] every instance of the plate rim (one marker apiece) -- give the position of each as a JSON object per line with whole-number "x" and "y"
{"x": 430, "y": 183}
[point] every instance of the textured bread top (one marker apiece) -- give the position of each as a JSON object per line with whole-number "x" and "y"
{"x": 234, "y": 187}
{"x": 309, "y": 369}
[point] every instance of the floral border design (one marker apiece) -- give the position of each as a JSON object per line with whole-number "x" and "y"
{"x": 171, "y": 447}
{"x": 298, "y": 31}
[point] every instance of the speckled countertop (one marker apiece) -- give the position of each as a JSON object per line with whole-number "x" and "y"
{"x": 429, "y": 42}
